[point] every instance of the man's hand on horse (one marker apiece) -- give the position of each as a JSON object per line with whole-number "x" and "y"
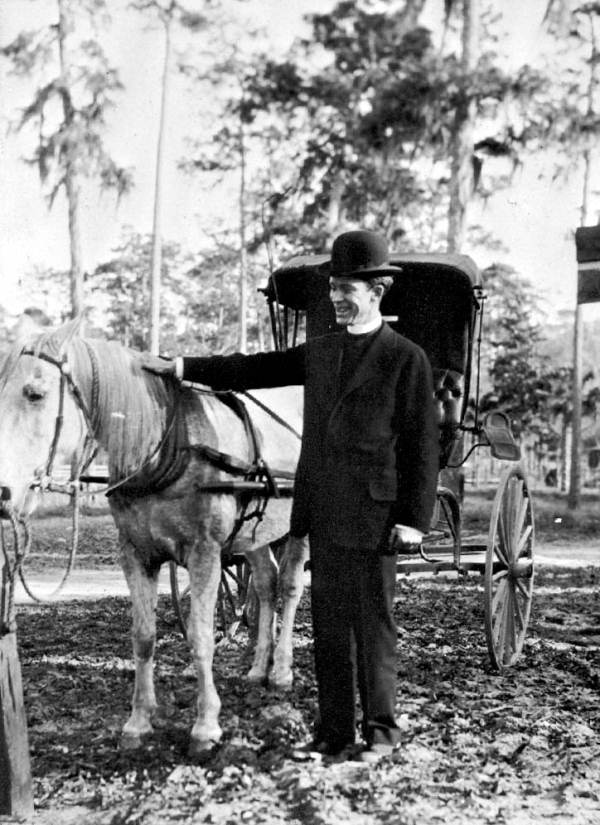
{"x": 405, "y": 539}
{"x": 157, "y": 364}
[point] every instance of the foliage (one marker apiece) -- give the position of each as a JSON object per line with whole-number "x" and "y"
{"x": 536, "y": 394}
{"x": 68, "y": 112}
{"x": 121, "y": 295}
{"x": 510, "y": 347}
{"x": 377, "y": 117}
{"x": 84, "y": 95}
{"x": 199, "y": 304}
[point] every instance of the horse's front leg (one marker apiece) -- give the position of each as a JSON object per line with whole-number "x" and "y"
{"x": 291, "y": 585}
{"x": 204, "y": 568}
{"x": 143, "y": 588}
{"x": 264, "y": 581}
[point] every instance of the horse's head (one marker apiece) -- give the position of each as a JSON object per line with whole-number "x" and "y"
{"x": 32, "y": 397}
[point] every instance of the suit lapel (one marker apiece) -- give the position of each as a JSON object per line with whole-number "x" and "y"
{"x": 373, "y": 363}
{"x": 329, "y": 368}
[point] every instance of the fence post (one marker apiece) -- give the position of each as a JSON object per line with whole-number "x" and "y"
{"x": 16, "y": 794}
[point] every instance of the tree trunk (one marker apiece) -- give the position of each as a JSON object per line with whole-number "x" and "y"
{"x": 243, "y": 286}
{"x": 334, "y": 210}
{"x": 461, "y": 167}
{"x": 575, "y": 476}
{"x": 563, "y": 459}
{"x": 72, "y": 185}
{"x": 156, "y": 258}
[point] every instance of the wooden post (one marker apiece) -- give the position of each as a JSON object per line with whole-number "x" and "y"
{"x": 16, "y": 794}
{"x": 574, "y": 495}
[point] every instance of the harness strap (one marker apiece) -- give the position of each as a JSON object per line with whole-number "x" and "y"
{"x": 272, "y": 413}
{"x": 58, "y": 425}
{"x": 235, "y": 466}
{"x": 259, "y": 467}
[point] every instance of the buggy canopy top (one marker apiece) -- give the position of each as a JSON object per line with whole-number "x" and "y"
{"x": 432, "y": 301}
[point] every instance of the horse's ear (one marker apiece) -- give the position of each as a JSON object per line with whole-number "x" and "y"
{"x": 56, "y": 341}
{"x": 26, "y": 328}
{"x": 71, "y": 329}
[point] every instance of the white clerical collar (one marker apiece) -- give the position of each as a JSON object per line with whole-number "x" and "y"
{"x": 363, "y": 329}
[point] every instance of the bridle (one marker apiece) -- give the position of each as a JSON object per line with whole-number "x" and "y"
{"x": 43, "y": 479}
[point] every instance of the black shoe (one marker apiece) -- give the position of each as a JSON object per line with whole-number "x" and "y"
{"x": 323, "y": 747}
{"x": 372, "y": 754}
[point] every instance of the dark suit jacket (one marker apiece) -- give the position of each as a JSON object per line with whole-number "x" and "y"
{"x": 370, "y": 454}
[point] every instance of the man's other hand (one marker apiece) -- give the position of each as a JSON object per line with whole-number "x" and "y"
{"x": 405, "y": 539}
{"x": 156, "y": 364}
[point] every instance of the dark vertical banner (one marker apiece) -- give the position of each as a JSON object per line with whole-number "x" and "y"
{"x": 587, "y": 244}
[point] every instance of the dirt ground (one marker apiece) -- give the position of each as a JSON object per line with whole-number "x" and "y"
{"x": 517, "y": 748}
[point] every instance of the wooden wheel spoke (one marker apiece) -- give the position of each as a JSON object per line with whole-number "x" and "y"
{"x": 510, "y": 643}
{"x": 522, "y": 504}
{"x": 235, "y": 577}
{"x": 524, "y": 539}
{"x": 525, "y": 591}
{"x": 520, "y": 616}
{"x": 500, "y": 623}
{"x": 229, "y": 596}
{"x": 498, "y": 595}
{"x": 499, "y": 546}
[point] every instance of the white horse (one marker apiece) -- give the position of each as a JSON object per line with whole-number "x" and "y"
{"x": 173, "y": 454}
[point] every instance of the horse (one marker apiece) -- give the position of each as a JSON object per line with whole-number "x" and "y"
{"x": 190, "y": 472}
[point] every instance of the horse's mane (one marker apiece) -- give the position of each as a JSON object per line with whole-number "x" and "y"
{"x": 128, "y": 405}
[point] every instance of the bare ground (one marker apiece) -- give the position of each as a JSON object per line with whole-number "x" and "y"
{"x": 478, "y": 747}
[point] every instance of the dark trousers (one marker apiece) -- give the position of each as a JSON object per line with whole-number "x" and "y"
{"x": 352, "y": 595}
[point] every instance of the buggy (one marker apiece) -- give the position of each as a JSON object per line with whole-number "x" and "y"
{"x": 437, "y": 301}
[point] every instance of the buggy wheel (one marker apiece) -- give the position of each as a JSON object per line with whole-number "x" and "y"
{"x": 234, "y": 597}
{"x": 509, "y": 569}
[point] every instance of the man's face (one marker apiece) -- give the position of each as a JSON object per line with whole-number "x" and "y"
{"x": 354, "y": 301}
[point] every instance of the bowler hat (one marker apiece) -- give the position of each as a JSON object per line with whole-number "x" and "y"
{"x": 360, "y": 254}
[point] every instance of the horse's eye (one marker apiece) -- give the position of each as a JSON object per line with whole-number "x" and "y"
{"x": 34, "y": 391}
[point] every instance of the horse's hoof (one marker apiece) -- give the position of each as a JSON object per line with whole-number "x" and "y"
{"x": 281, "y": 681}
{"x": 130, "y": 741}
{"x": 201, "y": 752}
{"x": 256, "y": 676}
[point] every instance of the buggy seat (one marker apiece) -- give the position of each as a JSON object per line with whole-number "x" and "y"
{"x": 432, "y": 302}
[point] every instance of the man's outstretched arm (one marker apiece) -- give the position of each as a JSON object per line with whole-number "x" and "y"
{"x": 237, "y": 371}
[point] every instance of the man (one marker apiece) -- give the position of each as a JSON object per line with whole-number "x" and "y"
{"x": 365, "y": 484}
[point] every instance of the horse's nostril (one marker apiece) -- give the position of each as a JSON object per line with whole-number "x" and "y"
{"x": 5, "y": 493}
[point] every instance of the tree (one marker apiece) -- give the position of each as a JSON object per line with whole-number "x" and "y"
{"x": 378, "y": 118}
{"x": 511, "y": 356}
{"x": 557, "y": 387}
{"x": 243, "y": 143}
{"x": 462, "y": 177}
{"x": 70, "y": 147}
{"x": 167, "y": 12}
{"x": 120, "y": 287}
